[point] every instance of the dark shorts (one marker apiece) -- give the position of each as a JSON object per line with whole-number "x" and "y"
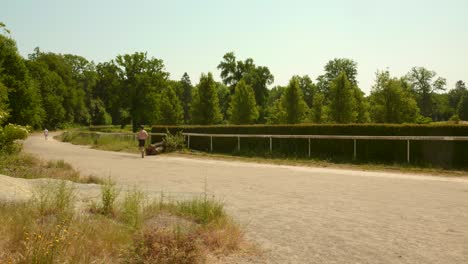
{"x": 141, "y": 142}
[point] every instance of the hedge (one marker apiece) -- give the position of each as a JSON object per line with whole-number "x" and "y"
{"x": 447, "y": 154}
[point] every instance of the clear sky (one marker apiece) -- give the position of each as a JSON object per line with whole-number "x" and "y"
{"x": 290, "y": 37}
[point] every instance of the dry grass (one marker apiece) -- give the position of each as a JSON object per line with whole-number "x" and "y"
{"x": 401, "y": 168}
{"x": 47, "y": 229}
{"x": 120, "y": 143}
{"x": 22, "y": 165}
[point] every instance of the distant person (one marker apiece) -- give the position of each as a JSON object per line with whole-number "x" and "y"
{"x": 142, "y": 136}
{"x": 46, "y": 133}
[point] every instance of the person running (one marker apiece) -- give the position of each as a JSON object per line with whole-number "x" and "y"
{"x": 142, "y": 136}
{"x": 46, "y": 133}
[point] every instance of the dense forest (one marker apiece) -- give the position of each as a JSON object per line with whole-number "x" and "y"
{"x": 57, "y": 90}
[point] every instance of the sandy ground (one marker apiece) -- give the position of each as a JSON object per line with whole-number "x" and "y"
{"x": 304, "y": 215}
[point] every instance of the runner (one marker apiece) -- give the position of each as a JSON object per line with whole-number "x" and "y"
{"x": 46, "y": 133}
{"x": 142, "y": 136}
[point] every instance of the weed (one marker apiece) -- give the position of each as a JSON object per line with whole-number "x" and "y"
{"x": 132, "y": 207}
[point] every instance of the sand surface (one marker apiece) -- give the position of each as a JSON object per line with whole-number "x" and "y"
{"x": 301, "y": 214}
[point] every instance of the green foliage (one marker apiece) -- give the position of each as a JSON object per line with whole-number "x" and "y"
{"x": 463, "y": 107}
{"x": 170, "y": 111}
{"x": 390, "y": 102}
{"x": 292, "y": 101}
{"x": 342, "y": 100}
{"x": 186, "y": 96}
{"x": 317, "y": 112}
{"x": 23, "y": 96}
{"x": 205, "y": 106}
{"x": 174, "y": 142}
{"x": 243, "y": 109}
{"x": 424, "y": 85}
{"x": 333, "y": 69}
{"x": 109, "y": 194}
{"x": 258, "y": 77}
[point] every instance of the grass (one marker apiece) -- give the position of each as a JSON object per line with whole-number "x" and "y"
{"x": 397, "y": 167}
{"x": 48, "y": 229}
{"x": 22, "y": 165}
{"x": 123, "y": 143}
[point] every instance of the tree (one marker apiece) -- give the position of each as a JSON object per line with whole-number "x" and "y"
{"x": 463, "y": 107}
{"x": 224, "y": 97}
{"x": 308, "y": 89}
{"x": 342, "y": 100}
{"x": 456, "y": 94}
{"x": 317, "y": 113}
{"x": 258, "y": 77}
{"x": 293, "y": 103}
{"x": 186, "y": 96}
{"x": 24, "y": 101}
{"x": 425, "y": 85}
{"x": 390, "y": 102}
{"x": 333, "y": 69}
{"x": 170, "y": 111}
{"x": 99, "y": 115}
{"x": 205, "y": 105}
{"x": 142, "y": 79}
{"x": 243, "y": 109}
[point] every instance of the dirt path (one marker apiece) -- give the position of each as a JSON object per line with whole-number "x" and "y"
{"x": 305, "y": 215}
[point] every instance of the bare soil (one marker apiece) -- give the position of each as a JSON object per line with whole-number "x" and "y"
{"x": 303, "y": 214}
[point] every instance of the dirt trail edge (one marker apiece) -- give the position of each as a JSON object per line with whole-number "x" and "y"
{"x": 304, "y": 215}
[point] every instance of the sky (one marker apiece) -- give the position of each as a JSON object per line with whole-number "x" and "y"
{"x": 294, "y": 37}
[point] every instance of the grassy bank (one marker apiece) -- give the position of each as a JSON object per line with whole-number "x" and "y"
{"x": 397, "y": 167}
{"x": 129, "y": 229}
{"x": 124, "y": 143}
{"x": 22, "y": 165}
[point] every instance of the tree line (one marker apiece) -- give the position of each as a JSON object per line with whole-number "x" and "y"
{"x": 55, "y": 90}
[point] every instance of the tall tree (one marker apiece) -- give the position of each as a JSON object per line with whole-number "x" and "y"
{"x": 170, "y": 111}
{"x": 463, "y": 107}
{"x": 258, "y": 77}
{"x": 23, "y": 96}
{"x": 342, "y": 100}
{"x": 456, "y": 94}
{"x": 293, "y": 103}
{"x": 243, "y": 109}
{"x": 308, "y": 89}
{"x": 205, "y": 105}
{"x": 186, "y": 96}
{"x": 425, "y": 84}
{"x": 390, "y": 102}
{"x": 333, "y": 69}
{"x": 142, "y": 78}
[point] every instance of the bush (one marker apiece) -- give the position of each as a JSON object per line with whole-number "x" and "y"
{"x": 174, "y": 142}
{"x": 8, "y": 135}
{"x": 435, "y": 153}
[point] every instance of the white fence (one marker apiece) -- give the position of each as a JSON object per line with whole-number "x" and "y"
{"x": 311, "y": 137}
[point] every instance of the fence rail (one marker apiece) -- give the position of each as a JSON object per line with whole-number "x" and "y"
{"x": 341, "y": 137}
{"x": 309, "y": 138}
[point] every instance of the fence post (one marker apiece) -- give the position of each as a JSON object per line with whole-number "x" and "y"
{"x": 238, "y": 143}
{"x": 188, "y": 141}
{"x": 354, "y": 153}
{"x": 271, "y": 145}
{"x": 211, "y": 143}
{"x": 407, "y": 151}
{"x": 309, "y": 147}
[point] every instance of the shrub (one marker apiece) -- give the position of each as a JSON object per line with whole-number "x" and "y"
{"x": 174, "y": 142}
{"x": 166, "y": 246}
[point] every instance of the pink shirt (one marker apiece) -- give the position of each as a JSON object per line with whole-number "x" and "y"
{"x": 142, "y": 135}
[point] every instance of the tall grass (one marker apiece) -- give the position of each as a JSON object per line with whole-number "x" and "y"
{"x": 125, "y": 143}
{"x": 22, "y": 165}
{"x": 47, "y": 229}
